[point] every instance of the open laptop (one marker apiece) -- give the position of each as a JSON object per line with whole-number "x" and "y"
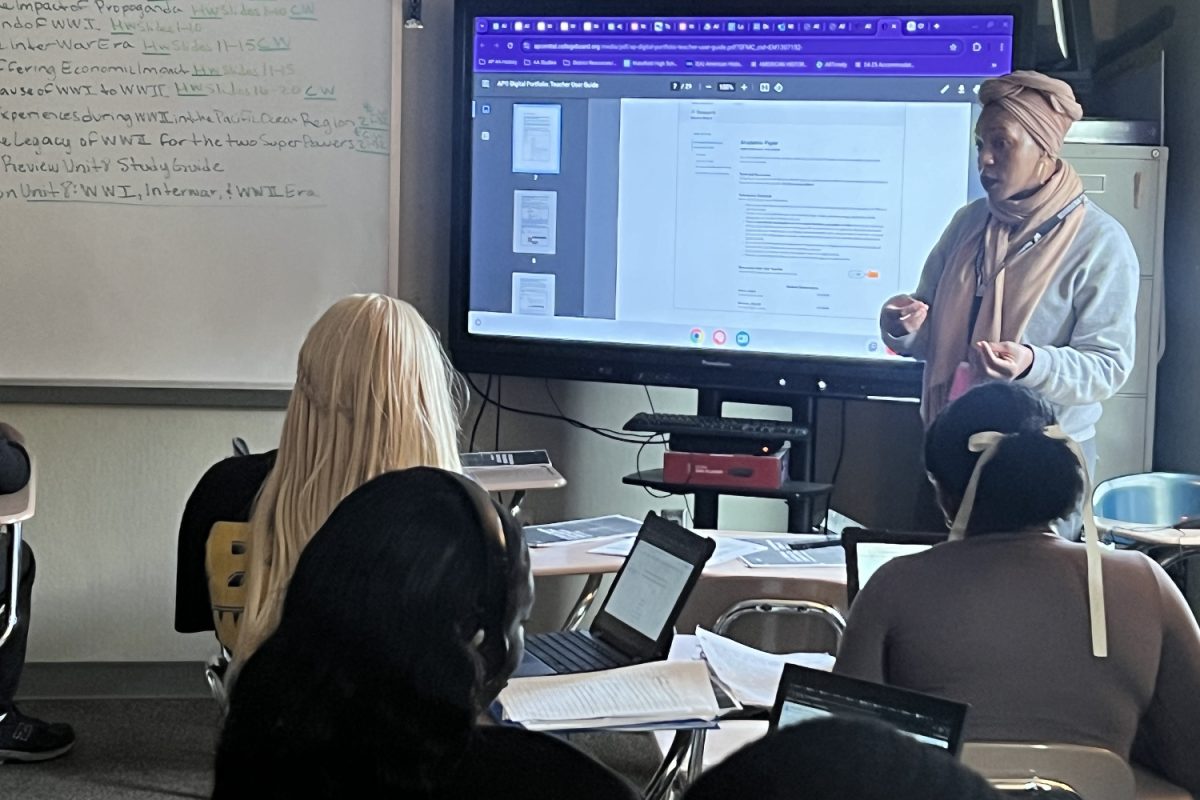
{"x": 637, "y": 620}
{"x": 512, "y": 470}
{"x": 868, "y": 550}
{"x": 807, "y": 694}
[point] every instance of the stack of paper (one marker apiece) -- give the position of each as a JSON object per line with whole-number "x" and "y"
{"x": 580, "y": 529}
{"x": 779, "y": 552}
{"x": 640, "y": 696}
{"x": 752, "y": 676}
{"x": 728, "y": 548}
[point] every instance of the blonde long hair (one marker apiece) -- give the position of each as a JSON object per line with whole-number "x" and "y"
{"x": 374, "y": 393}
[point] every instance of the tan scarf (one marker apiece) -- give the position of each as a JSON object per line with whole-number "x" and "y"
{"x": 1013, "y": 284}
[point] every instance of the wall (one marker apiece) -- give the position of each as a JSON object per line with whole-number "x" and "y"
{"x": 1104, "y": 18}
{"x": 1178, "y": 428}
{"x": 112, "y": 482}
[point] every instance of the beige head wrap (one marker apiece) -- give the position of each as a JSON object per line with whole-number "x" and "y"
{"x": 1044, "y": 106}
{"x": 986, "y": 444}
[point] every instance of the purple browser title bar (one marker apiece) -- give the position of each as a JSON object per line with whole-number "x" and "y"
{"x": 914, "y": 46}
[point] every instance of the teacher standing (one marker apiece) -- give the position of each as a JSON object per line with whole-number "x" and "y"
{"x": 1033, "y": 283}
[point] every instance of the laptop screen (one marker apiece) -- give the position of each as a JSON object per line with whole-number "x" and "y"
{"x": 868, "y": 550}
{"x": 873, "y": 555}
{"x": 649, "y": 589}
{"x": 807, "y": 694}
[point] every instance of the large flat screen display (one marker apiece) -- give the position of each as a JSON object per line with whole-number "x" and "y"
{"x": 718, "y": 200}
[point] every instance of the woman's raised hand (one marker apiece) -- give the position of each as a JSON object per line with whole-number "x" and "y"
{"x": 1005, "y": 361}
{"x": 903, "y": 314}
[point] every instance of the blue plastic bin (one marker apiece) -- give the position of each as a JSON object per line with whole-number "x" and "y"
{"x": 1167, "y": 499}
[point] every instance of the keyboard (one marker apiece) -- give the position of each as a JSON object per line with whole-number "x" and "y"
{"x": 505, "y": 458}
{"x": 729, "y": 427}
{"x": 570, "y": 652}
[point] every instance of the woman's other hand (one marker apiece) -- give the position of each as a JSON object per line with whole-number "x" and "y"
{"x": 904, "y": 315}
{"x": 1005, "y": 361}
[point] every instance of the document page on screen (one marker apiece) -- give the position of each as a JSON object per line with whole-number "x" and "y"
{"x": 648, "y": 589}
{"x": 789, "y": 214}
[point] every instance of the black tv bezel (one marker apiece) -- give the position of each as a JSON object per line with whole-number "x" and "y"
{"x": 749, "y": 374}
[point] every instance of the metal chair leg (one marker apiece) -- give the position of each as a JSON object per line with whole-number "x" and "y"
{"x": 584, "y": 603}
{"x": 13, "y": 580}
{"x": 216, "y": 670}
{"x": 695, "y": 764}
{"x": 664, "y": 780}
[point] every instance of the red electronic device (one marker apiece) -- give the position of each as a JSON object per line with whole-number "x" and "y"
{"x": 727, "y": 470}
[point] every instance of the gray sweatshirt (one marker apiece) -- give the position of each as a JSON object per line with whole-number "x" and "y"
{"x": 1082, "y": 331}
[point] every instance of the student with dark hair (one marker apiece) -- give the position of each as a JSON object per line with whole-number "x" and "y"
{"x": 402, "y": 622}
{"x": 1040, "y": 475}
{"x": 22, "y": 738}
{"x": 1012, "y": 620}
{"x": 841, "y": 759}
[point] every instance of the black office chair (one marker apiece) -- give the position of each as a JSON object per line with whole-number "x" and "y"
{"x": 224, "y": 563}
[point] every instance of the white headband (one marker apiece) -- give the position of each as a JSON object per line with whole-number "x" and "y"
{"x": 985, "y": 444}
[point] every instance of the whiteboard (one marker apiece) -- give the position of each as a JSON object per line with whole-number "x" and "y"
{"x": 185, "y": 186}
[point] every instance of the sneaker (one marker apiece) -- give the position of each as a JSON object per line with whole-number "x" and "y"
{"x": 24, "y": 738}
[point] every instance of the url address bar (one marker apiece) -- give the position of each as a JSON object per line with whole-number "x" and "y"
{"x": 900, "y": 47}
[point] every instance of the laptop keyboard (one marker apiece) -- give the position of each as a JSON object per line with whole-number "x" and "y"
{"x": 569, "y": 652}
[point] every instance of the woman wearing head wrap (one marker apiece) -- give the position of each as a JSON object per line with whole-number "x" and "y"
{"x": 1047, "y": 640}
{"x": 1032, "y": 283}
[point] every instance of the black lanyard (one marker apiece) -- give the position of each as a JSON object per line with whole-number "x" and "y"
{"x": 1043, "y": 230}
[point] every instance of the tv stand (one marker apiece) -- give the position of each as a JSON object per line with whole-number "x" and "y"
{"x": 800, "y": 492}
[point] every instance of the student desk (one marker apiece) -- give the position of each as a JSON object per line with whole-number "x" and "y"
{"x": 720, "y": 586}
{"x": 1177, "y": 551}
{"x": 1164, "y": 545}
{"x": 733, "y": 735}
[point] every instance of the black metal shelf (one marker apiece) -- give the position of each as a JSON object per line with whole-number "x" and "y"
{"x": 653, "y": 479}
{"x": 796, "y": 493}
